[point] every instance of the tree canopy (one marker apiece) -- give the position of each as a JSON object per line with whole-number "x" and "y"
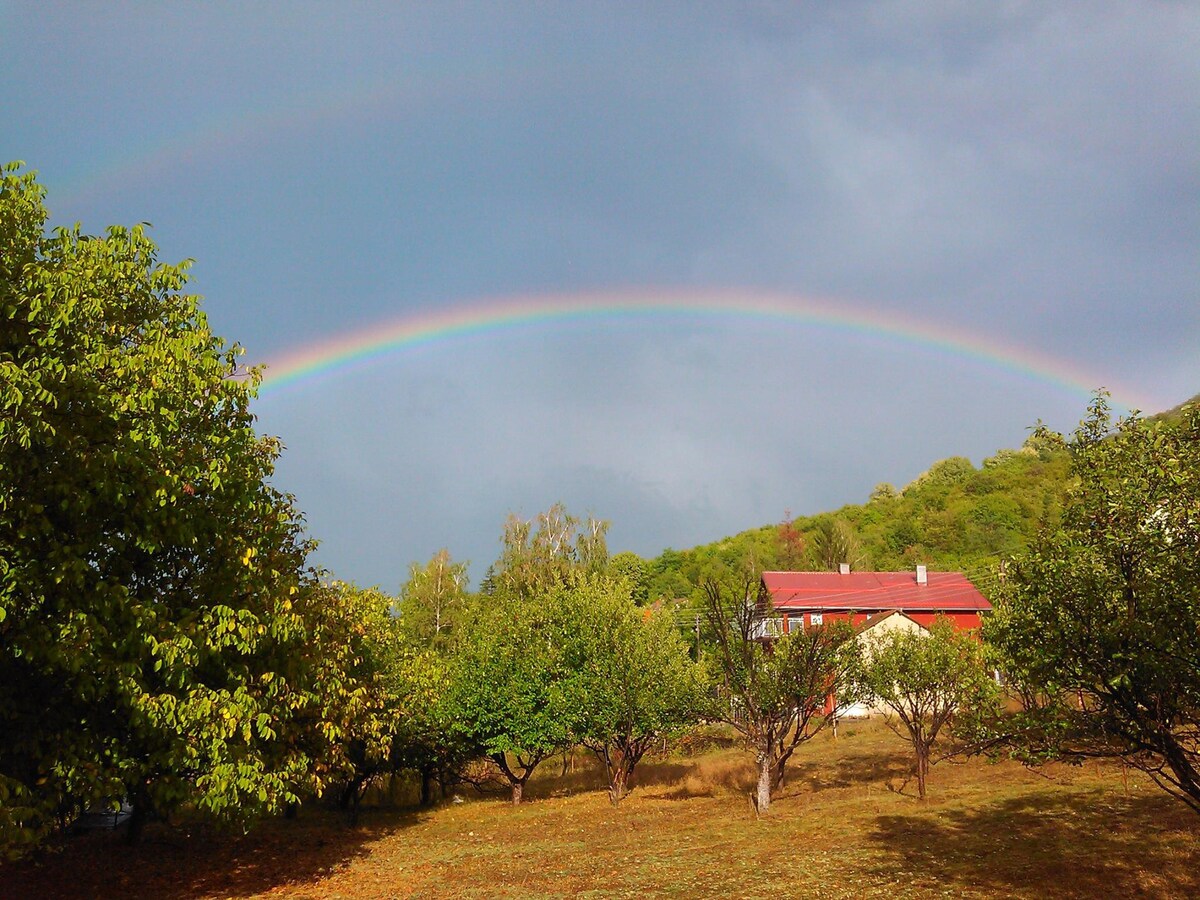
{"x": 924, "y": 680}
{"x": 777, "y": 690}
{"x": 1099, "y": 622}
{"x": 147, "y": 568}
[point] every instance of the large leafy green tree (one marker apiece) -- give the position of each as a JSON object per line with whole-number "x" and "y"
{"x": 147, "y": 568}
{"x": 779, "y": 690}
{"x": 1099, "y": 621}
{"x": 924, "y": 680}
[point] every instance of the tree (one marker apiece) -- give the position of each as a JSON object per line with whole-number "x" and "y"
{"x": 425, "y": 738}
{"x": 791, "y": 544}
{"x": 1098, "y": 623}
{"x": 925, "y": 680}
{"x": 358, "y": 699}
{"x": 433, "y": 600}
{"x": 535, "y": 559}
{"x": 147, "y": 568}
{"x": 517, "y": 676}
{"x": 836, "y": 543}
{"x": 638, "y": 682}
{"x": 778, "y": 691}
{"x": 514, "y": 689}
{"x": 632, "y": 567}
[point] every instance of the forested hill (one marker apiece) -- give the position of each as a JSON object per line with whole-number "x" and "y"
{"x": 952, "y": 517}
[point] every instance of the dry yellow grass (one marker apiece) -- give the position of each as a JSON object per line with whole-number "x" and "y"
{"x": 840, "y": 828}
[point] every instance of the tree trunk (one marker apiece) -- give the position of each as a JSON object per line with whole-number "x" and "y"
{"x": 141, "y": 813}
{"x": 426, "y": 786}
{"x": 618, "y": 783}
{"x": 137, "y": 820}
{"x": 777, "y": 774}
{"x": 762, "y": 800}
{"x": 518, "y": 788}
{"x": 922, "y": 770}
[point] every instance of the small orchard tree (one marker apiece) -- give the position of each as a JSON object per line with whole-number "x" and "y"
{"x": 513, "y": 685}
{"x": 779, "y": 691}
{"x": 924, "y": 680}
{"x": 1098, "y": 623}
{"x": 425, "y": 740}
{"x": 351, "y": 672}
{"x": 638, "y": 682}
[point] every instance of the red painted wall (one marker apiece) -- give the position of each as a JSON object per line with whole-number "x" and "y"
{"x": 962, "y": 620}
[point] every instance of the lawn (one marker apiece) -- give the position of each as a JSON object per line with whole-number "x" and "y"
{"x": 842, "y": 827}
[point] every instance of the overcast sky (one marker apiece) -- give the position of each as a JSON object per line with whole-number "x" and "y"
{"x": 1022, "y": 174}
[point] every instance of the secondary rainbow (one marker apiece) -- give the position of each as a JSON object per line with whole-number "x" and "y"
{"x": 330, "y": 357}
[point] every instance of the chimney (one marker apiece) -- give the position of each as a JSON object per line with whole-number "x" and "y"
{"x": 843, "y": 568}
{"x": 922, "y": 578}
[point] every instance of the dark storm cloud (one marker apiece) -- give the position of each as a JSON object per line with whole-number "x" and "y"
{"x": 1025, "y": 172}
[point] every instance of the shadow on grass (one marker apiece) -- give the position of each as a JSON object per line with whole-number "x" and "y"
{"x": 690, "y": 778}
{"x": 1047, "y": 844}
{"x": 864, "y": 768}
{"x": 177, "y": 863}
{"x": 684, "y": 781}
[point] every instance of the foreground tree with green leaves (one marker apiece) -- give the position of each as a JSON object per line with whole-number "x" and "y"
{"x": 515, "y": 690}
{"x": 1098, "y": 625}
{"x": 148, "y": 571}
{"x": 638, "y": 682}
{"x": 779, "y": 691}
{"x": 925, "y": 680}
{"x": 353, "y": 674}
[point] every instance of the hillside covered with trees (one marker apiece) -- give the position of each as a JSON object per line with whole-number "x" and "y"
{"x": 953, "y": 516}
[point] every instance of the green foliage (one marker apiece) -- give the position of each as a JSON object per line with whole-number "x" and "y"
{"x": 544, "y": 552}
{"x": 515, "y": 685}
{"x": 147, "y": 569}
{"x": 351, "y": 692}
{"x": 638, "y": 684}
{"x": 836, "y": 543}
{"x": 924, "y": 680}
{"x": 632, "y": 568}
{"x": 1099, "y": 624}
{"x": 776, "y": 691}
{"x": 954, "y": 517}
{"x": 433, "y": 601}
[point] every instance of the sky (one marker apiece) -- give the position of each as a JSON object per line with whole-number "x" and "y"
{"x": 683, "y": 266}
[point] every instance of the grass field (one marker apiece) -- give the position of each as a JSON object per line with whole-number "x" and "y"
{"x": 840, "y": 828}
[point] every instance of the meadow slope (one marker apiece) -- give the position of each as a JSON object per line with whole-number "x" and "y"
{"x": 845, "y": 825}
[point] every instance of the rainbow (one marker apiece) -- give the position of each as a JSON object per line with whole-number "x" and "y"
{"x": 333, "y": 356}
{"x": 218, "y": 139}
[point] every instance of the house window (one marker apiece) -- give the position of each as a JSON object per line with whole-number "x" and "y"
{"x": 816, "y": 619}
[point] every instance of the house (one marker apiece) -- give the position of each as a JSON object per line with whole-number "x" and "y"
{"x": 872, "y": 629}
{"x": 800, "y": 599}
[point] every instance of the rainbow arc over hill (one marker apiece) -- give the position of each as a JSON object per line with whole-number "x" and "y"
{"x": 332, "y": 356}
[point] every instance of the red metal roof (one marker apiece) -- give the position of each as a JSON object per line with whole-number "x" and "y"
{"x": 872, "y": 591}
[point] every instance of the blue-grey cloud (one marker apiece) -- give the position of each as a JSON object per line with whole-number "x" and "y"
{"x": 1024, "y": 171}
